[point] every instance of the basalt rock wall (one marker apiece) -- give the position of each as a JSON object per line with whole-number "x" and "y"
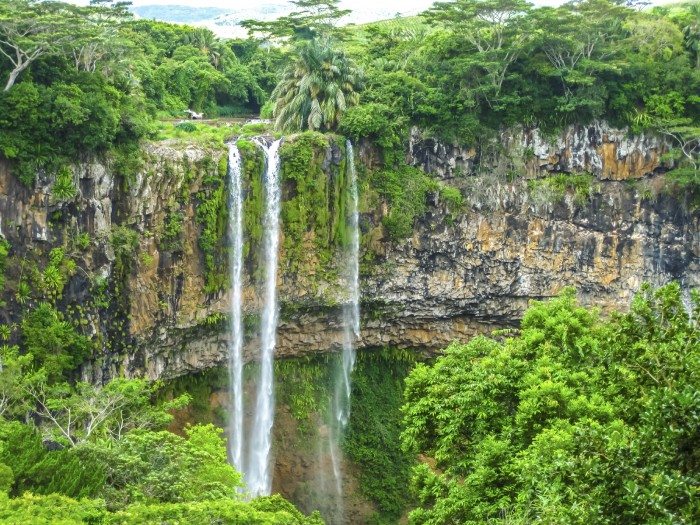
{"x": 459, "y": 274}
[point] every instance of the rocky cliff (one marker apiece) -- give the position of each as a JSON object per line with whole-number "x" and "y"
{"x": 146, "y": 279}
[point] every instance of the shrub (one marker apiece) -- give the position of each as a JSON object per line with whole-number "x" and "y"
{"x": 63, "y": 188}
{"x": 187, "y": 127}
{"x": 555, "y": 188}
{"x": 406, "y": 189}
{"x": 171, "y": 239}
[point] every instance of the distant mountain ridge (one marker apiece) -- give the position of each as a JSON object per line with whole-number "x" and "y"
{"x": 181, "y": 14}
{"x": 226, "y": 22}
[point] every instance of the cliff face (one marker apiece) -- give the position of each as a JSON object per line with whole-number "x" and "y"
{"x": 606, "y": 152}
{"x": 516, "y": 239}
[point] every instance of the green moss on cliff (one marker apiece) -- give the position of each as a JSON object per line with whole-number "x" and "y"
{"x": 315, "y": 205}
{"x": 4, "y": 253}
{"x": 171, "y": 237}
{"x": 254, "y": 199}
{"x": 305, "y": 207}
{"x": 304, "y": 386}
{"x": 212, "y": 217}
{"x": 405, "y": 189}
{"x": 201, "y": 387}
{"x": 555, "y": 188}
{"x": 372, "y": 439}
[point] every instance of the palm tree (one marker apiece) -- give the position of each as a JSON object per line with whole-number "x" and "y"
{"x": 316, "y": 89}
{"x": 692, "y": 32}
{"x": 206, "y": 41}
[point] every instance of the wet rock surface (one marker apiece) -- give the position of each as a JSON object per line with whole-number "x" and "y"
{"x": 458, "y": 275}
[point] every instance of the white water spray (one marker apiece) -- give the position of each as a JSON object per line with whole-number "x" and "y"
{"x": 236, "y": 433}
{"x": 259, "y": 477}
{"x": 340, "y": 406}
{"x": 351, "y": 309}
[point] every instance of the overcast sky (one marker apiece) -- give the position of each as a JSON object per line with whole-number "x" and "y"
{"x": 355, "y": 5}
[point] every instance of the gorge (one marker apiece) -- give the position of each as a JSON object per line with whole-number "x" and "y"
{"x": 430, "y": 270}
{"x": 464, "y": 270}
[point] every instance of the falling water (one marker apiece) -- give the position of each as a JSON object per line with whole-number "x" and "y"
{"x": 351, "y": 331}
{"x": 259, "y": 479}
{"x": 236, "y": 265}
{"x": 351, "y": 309}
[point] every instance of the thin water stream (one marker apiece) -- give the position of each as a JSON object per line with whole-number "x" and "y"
{"x": 340, "y": 404}
{"x": 258, "y": 473}
{"x": 236, "y": 431}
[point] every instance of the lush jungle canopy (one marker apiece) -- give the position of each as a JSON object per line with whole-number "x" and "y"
{"x": 84, "y": 80}
{"x": 574, "y": 418}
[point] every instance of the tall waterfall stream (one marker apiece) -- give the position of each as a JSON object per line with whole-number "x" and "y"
{"x": 250, "y": 448}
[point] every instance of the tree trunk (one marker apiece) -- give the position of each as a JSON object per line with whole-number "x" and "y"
{"x": 13, "y": 77}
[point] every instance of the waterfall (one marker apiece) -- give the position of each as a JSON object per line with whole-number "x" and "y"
{"x": 340, "y": 404}
{"x": 236, "y": 264}
{"x": 259, "y": 477}
{"x": 351, "y": 309}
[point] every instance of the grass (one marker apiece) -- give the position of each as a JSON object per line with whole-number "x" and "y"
{"x": 555, "y": 188}
{"x": 204, "y": 133}
{"x": 208, "y": 132}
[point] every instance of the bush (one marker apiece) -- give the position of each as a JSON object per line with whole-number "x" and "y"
{"x": 452, "y": 197}
{"x": 125, "y": 243}
{"x": 171, "y": 239}
{"x": 406, "y": 190}
{"x": 53, "y": 342}
{"x": 7, "y": 478}
{"x": 574, "y": 420}
{"x": 4, "y": 254}
{"x": 379, "y": 124}
{"x": 187, "y": 127}
{"x": 555, "y": 188}
{"x": 63, "y": 188}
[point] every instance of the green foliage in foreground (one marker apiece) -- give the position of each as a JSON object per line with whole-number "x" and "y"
{"x": 144, "y": 477}
{"x": 577, "y": 420}
{"x": 61, "y": 510}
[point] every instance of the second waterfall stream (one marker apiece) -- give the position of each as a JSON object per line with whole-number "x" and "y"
{"x": 235, "y": 365}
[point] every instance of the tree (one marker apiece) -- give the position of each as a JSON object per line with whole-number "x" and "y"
{"x": 30, "y": 29}
{"x": 685, "y": 136}
{"x": 164, "y": 467}
{"x": 54, "y": 343}
{"x": 494, "y": 32}
{"x": 692, "y": 31}
{"x": 574, "y": 420}
{"x": 13, "y": 365}
{"x": 584, "y": 48}
{"x": 316, "y": 89}
{"x": 97, "y": 37}
{"x": 314, "y": 19}
{"x": 75, "y": 415}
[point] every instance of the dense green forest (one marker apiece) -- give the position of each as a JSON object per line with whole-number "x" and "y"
{"x": 575, "y": 417}
{"x": 86, "y": 80}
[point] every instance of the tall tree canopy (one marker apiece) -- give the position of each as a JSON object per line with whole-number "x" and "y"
{"x": 312, "y": 19}
{"x": 575, "y": 420}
